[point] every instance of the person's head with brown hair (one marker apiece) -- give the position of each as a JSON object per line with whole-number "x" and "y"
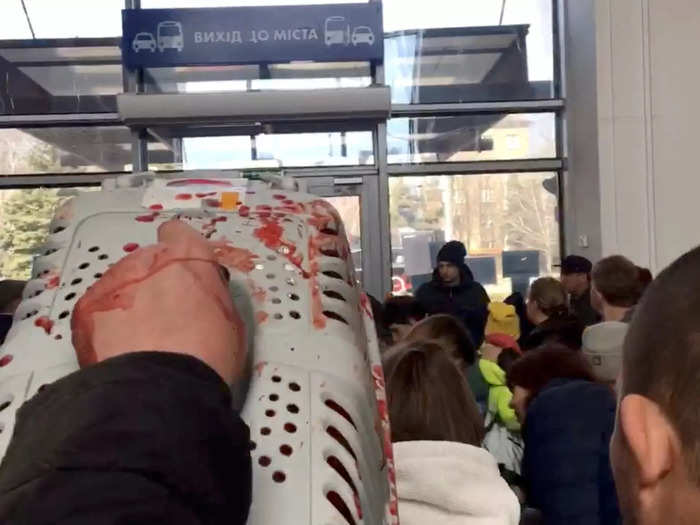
{"x": 547, "y": 298}
{"x": 428, "y": 396}
{"x": 616, "y": 287}
{"x": 400, "y": 313}
{"x": 532, "y": 372}
{"x": 655, "y": 449}
{"x": 448, "y": 331}
{"x": 645, "y": 278}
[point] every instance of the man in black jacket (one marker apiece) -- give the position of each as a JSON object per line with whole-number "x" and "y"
{"x": 140, "y": 436}
{"x": 454, "y": 291}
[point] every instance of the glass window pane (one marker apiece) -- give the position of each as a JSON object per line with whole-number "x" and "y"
{"x": 348, "y": 207}
{"x": 498, "y": 217}
{"x": 265, "y": 151}
{"x": 77, "y": 79}
{"x": 490, "y": 50}
{"x": 471, "y": 138}
{"x": 25, "y": 216}
{"x": 90, "y": 149}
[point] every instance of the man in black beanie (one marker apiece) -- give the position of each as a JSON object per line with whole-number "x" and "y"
{"x": 454, "y": 291}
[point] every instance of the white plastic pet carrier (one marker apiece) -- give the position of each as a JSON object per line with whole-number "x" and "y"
{"x": 315, "y": 403}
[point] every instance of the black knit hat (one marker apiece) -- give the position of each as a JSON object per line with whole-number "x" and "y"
{"x": 453, "y": 252}
{"x": 575, "y": 264}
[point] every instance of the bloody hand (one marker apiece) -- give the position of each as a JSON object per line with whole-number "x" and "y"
{"x": 166, "y": 297}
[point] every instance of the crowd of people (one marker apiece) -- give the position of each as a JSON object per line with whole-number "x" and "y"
{"x": 574, "y": 405}
{"x": 538, "y": 375}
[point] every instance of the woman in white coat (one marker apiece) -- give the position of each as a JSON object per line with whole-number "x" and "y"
{"x": 443, "y": 476}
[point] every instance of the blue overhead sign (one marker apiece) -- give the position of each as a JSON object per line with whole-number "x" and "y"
{"x": 251, "y": 35}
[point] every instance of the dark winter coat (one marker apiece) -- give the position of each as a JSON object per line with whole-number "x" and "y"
{"x": 563, "y": 329}
{"x": 141, "y": 438}
{"x": 566, "y": 465}
{"x": 467, "y": 302}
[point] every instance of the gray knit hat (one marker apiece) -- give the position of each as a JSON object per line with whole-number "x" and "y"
{"x": 602, "y": 345}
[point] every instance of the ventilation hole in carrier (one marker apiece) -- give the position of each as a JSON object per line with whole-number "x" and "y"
{"x": 276, "y": 300}
{"x": 333, "y": 275}
{"x": 279, "y": 476}
{"x": 334, "y": 498}
{"x": 50, "y": 251}
{"x": 8, "y": 401}
{"x": 30, "y": 314}
{"x": 293, "y": 297}
{"x": 83, "y": 266}
{"x": 338, "y": 466}
{"x": 270, "y": 413}
{"x": 334, "y": 295}
{"x": 334, "y": 315}
{"x": 285, "y": 450}
{"x": 264, "y": 461}
{"x": 253, "y": 445}
{"x": 278, "y": 316}
{"x": 274, "y": 397}
{"x": 330, "y": 252}
{"x": 58, "y": 229}
{"x": 290, "y": 427}
{"x": 97, "y": 275}
{"x": 93, "y": 249}
{"x": 294, "y": 387}
{"x": 292, "y": 408}
{"x": 341, "y": 411}
{"x": 274, "y": 288}
{"x": 76, "y": 281}
{"x": 103, "y": 257}
{"x": 340, "y": 438}
{"x": 63, "y": 314}
{"x": 70, "y": 296}
{"x": 276, "y": 379}
{"x": 37, "y": 293}
{"x": 294, "y": 314}
{"x": 265, "y": 431}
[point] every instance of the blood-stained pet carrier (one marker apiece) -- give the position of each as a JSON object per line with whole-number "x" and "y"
{"x": 315, "y": 401}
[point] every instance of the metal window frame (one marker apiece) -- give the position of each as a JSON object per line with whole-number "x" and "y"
{"x": 374, "y": 191}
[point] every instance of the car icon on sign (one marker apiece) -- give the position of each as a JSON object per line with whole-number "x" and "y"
{"x": 362, "y": 35}
{"x": 144, "y": 41}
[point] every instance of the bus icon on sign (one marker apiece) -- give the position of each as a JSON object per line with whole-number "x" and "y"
{"x": 337, "y": 31}
{"x": 170, "y": 36}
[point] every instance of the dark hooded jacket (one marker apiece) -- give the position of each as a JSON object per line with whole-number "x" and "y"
{"x": 564, "y": 329}
{"x": 467, "y": 302}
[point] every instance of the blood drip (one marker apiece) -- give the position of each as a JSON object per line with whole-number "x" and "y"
{"x": 202, "y": 195}
{"x": 244, "y": 211}
{"x": 258, "y": 293}
{"x": 155, "y": 207}
{"x": 259, "y": 367}
{"x": 53, "y": 281}
{"x": 358, "y": 505}
{"x": 6, "y": 360}
{"x": 130, "y": 247}
{"x": 147, "y": 218}
{"x": 183, "y": 196}
{"x": 212, "y": 203}
{"x": 279, "y": 197}
{"x": 45, "y": 323}
{"x": 240, "y": 259}
{"x": 261, "y": 317}
{"x": 270, "y": 234}
{"x": 364, "y": 303}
